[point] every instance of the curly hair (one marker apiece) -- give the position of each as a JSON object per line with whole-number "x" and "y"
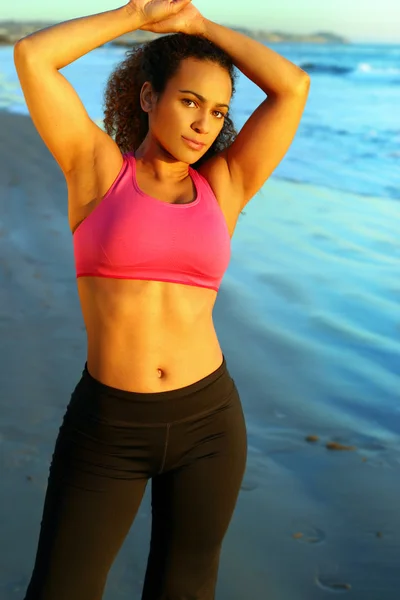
{"x": 157, "y": 61}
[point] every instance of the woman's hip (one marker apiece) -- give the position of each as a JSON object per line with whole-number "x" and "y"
{"x": 112, "y": 405}
{"x": 112, "y": 430}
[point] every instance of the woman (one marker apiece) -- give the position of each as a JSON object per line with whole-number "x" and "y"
{"x": 153, "y": 204}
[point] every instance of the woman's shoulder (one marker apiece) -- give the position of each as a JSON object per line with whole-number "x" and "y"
{"x": 216, "y": 174}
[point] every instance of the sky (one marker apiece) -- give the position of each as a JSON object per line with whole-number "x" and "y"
{"x": 366, "y": 21}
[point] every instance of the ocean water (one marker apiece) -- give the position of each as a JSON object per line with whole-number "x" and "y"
{"x": 315, "y": 271}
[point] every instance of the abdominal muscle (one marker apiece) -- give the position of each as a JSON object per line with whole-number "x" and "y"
{"x": 148, "y": 336}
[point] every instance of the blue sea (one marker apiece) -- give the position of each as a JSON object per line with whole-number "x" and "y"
{"x": 308, "y": 313}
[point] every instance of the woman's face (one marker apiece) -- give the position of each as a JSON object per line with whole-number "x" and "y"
{"x": 193, "y": 106}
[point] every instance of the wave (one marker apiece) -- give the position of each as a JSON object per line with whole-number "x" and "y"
{"x": 329, "y": 69}
{"x": 338, "y": 70}
{"x": 367, "y": 68}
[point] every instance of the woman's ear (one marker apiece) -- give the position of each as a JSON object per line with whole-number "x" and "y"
{"x": 147, "y": 97}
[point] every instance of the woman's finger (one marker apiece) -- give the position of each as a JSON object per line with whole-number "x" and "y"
{"x": 179, "y": 4}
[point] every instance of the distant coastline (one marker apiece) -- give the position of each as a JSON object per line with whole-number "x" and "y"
{"x": 12, "y": 31}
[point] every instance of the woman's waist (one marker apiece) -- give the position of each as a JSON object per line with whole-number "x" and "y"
{"x": 97, "y": 402}
{"x": 152, "y": 357}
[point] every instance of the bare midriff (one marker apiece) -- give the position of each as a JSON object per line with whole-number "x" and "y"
{"x": 148, "y": 336}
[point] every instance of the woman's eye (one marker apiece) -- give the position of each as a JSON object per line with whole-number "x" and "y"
{"x": 221, "y": 114}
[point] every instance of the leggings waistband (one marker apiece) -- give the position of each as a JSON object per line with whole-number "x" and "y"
{"x": 154, "y": 407}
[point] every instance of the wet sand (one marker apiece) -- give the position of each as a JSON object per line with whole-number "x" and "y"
{"x": 316, "y": 517}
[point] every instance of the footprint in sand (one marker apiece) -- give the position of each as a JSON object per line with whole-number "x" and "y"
{"x": 332, "y": 584}
{"x": 249, "y": 482}
{"x": 249, "y": 486}
{"x": 308, "y": 534}
{"x": 252, "y": 478}
{"x": 255, "y": 470}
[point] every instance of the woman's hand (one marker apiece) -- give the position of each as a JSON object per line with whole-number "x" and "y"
{"x": 152, "y": 11}
{"x": 187, "y": 20}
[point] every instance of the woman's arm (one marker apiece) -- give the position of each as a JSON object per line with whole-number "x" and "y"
{"x": 273, "y": 73}
{"x": 53, "y": 104}
{"x": 63, "y": 43}
{"x": 265, "y": 138}
{"x": 56, "y": 109}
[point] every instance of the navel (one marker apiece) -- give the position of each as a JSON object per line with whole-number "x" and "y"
{"x": 160, "y": 373}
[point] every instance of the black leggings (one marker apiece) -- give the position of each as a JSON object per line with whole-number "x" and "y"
{"x": 191, "y": 442}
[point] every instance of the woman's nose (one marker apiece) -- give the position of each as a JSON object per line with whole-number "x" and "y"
{"x": 202, "y": 125}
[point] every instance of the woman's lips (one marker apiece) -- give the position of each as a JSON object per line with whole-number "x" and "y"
{"x": 192, "y": 144}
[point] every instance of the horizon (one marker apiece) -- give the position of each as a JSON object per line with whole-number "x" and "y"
{"x": 358, "y": 26}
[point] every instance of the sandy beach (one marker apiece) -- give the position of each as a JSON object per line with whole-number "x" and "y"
{"x": 315, "y": 517}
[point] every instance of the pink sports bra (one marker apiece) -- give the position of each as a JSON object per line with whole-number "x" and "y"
{"x": 131, "y": 235}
